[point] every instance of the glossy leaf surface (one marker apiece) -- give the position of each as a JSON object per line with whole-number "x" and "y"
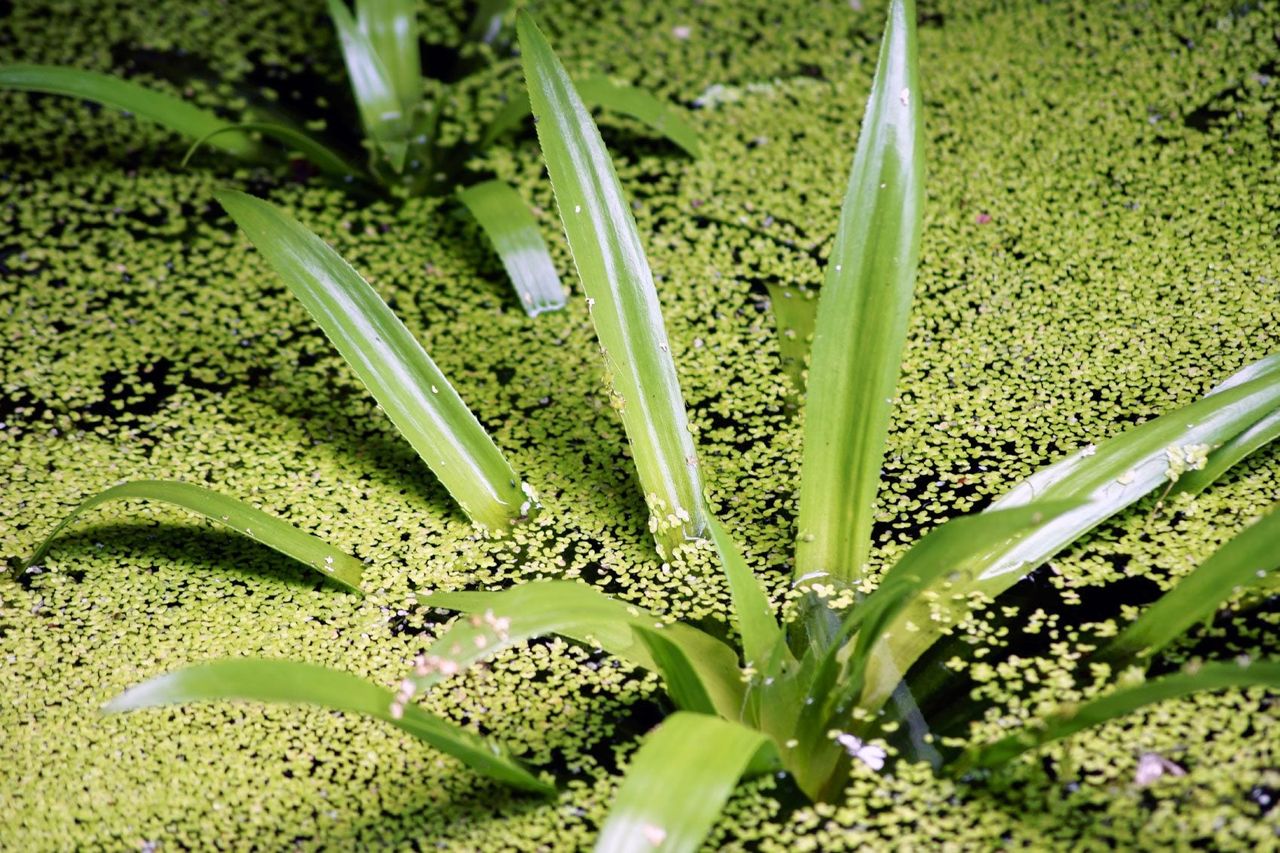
{"x": 389, "y": 361}
{"x": 1245, "y": 560}
{"x": 381, "y": 109}
{"x": 391, "y": 28}
{"x": 500, "y": 620}
{"x": 619, "y": 285}
{"x": 862, "y": 318}
{"x": 316, "y": 554}
{"x": 510, "y": 225}
{"x": 1119, "y": 703}
{"x": 1104, "y": 480}
{"x": 173, "y": 113}
{"x": 678, "y": 783}
{"x": 283, "y": 681}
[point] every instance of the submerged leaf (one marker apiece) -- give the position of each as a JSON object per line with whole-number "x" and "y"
{"x": 620, "y": 293}
{"x": 389, "y": 361}
{"x": 173, "y": 113}
{"x": 862, "y": 319}
{"x": 514, "y": 233}
{"x": 303, "y": 683}
{"x": 316, "y": 554}
{"x": 796, "y": 312}
{"x": 678, "y": 782}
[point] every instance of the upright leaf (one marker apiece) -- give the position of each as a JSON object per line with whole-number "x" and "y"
{"x": 173, "y": 113}
{"x": 1244, "y": 561}
{"x": 391, "y": 27}
{"x": 678, "y": 783}
{"x": 620, "y": 294}
{"x": 391, "y": 363}
{"x": 862, "y": 319}
{"x": 315, "y": 553}
{"x": 381, "y": 109}
{"x": 303, "y": 683}
{"x": 1104, "y": 480}
{"x": 500, "y": 620}
{"x": 795, "y": 312}
{"x": 514, "y": 233}
{"x": 1119, "y": 703}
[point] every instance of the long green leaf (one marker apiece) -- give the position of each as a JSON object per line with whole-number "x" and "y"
{"x": 1243, "y": 444}
{"x": 173, "y": 113}
{"x": 753, "y": 614}
{"x": 1242, "y": 562}
{"x": 500, "y": 620}
{"x": 862, "y": 319}
{"x": 514, "y": 233}
{"x": 597, "y": 90}
{"x": 678, "y": 783}
{"x": 795, "y": 312}
{"x": 391, "y": 363}
{"x": 391, "y": 28}
{"x": 619, "y": 286}
{"x": 325, "y": 158}
{"x": 1118, "y": 703}
{"x": 1105, "y": 479}
{"x": 291, "y": 682}
{"x": 341, "y": 568}
{"x": 679, "y": 674}
{"x": 381, "y": 109}
{"x": 636, "y": 103}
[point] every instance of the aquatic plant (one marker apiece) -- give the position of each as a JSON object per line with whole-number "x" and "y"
{"x": 401, "y": 116}
{"x": 808, "y": 703}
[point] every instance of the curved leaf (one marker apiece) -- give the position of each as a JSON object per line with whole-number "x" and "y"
{"x": 679, "y": 674}
{"x": 316, "y": 554}
{"x": 1118, "y": 703}
{"x": 327, "y": 160}
{"x": 633, "y": 102}
{"x": 679, "y": 781}
{"x": 1105, "y": 480}
{"x": 500, "y": 620}
{"x": 624, "y": 304}
{"x": 1242, "y": 562}
{"x": 761, "y": 635}
{"x": 291, "y": 682}
{"x": 173, "y": 113}
{"x": 514, "y": 233}
{"x": 389, "y": 361}
{"x": 862, "y": 319}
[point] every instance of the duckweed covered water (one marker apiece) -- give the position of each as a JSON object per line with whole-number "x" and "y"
{"x": 1100, "y": 247}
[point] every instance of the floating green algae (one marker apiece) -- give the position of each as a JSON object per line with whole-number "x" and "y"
{"x": 1099, "y": 247}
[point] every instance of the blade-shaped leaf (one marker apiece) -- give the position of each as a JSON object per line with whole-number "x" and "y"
{"x": 679, "y": 675}
{"x": 1237, "y": 448}
{"x": 1243, "y": 561}
{"x": 173, "y": 113}
{"x": 760, "y": 631}
{"x": 500, "y": 620}
{"x": 381, "y": 109}
{"x": 1107, "y": 479}
{"x": 624, "y": 304}
{"x": 597, "y": 90}
{"x": 644, "y": 107}
{"x": 1118, "y": 703}
{"x": 342, "y": 568}
{"x": 303, "y": 683}
{"x": 325, "y": 158}
{"x": 679, "y": 781}
{"x": 796, "y": 312}
{"x": 862, "y": 318}
{"x": 391, "y": 27}
{"x": 514, "y": 233}
{"x": 391, "y": 363}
